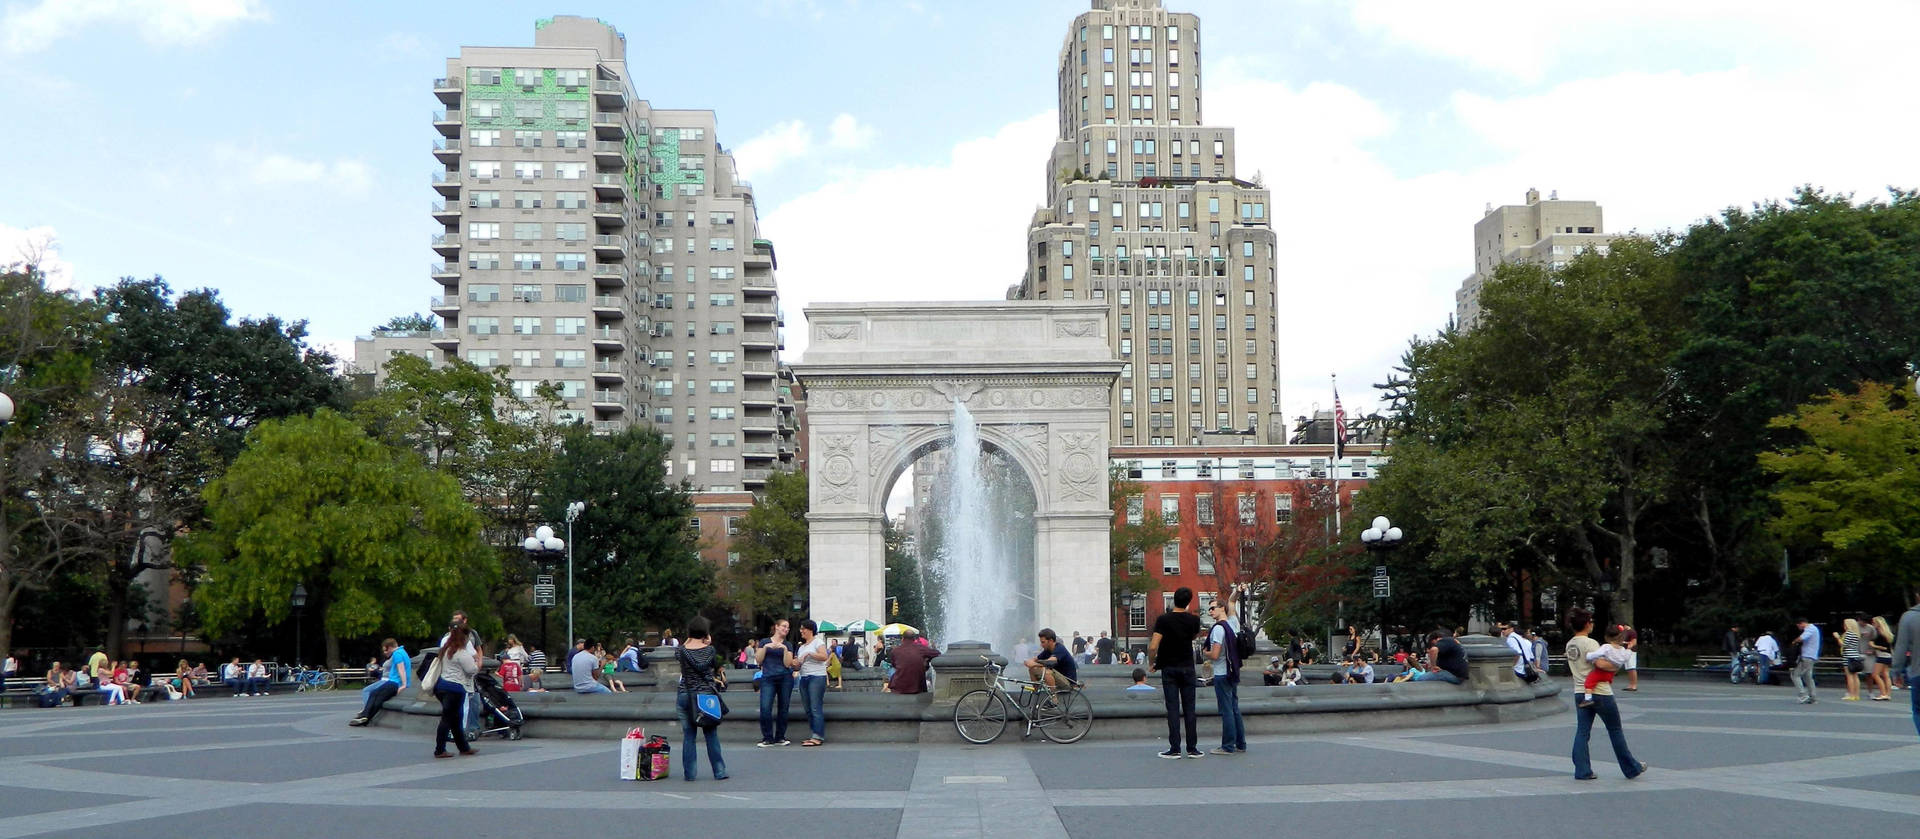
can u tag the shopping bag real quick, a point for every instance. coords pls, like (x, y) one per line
(630, 747)
(656, 759)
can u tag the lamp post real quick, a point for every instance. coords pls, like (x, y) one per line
(541, 547)
(574, 509)
(1381, 538)
(6, 409)
(186, 603)
(299, 605)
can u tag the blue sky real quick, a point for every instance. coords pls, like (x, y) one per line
(280, 151)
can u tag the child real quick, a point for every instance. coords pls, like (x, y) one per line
(1614, 650)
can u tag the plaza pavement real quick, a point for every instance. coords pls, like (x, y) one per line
(1728, 761)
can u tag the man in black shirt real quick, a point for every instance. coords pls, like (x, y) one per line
(1052, 659)
(1447, 657)
(1170, 651)
(1103, 649)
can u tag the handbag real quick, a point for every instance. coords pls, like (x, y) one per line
(432, 678)
(708, 708)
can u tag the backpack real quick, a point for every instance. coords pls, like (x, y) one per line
(1229, 647)
(1244, 644)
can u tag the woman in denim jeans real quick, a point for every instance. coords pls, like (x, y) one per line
(700, 672)
(813, 656)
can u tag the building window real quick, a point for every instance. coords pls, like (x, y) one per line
(1203, 508)
(1136, 507)
(720, 413)
(1204, 555)
(569, 358)
(569, 326)
(1170, 509)
(1137, 613)
(526, 261)
(1246, 504)
(526, 326)
(1170, 559)
(1283, 508)
(723, 466)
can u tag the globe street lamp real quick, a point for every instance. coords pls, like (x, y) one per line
(1380, 538)
(6, 409)
(299, 605)
(541, 547)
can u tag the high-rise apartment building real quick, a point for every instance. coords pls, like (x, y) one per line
(1145, 211)
(609, 247)
(1549, 232)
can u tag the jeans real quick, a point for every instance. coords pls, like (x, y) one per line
(773, 726)
(1609, 713)
(1438, 676)
(1233, 729)
(1803, 678)
(1913, 692)
(813, 697)
(239, 684)
(453, 707)
(689, 762)
(1177, 688)
(258, 685)
(592, 688)
(376, 695)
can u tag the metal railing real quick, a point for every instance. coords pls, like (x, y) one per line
(608, 86)
(449, 83)
(751, 281)
(440, 207)
(609, 397)
(614, 146)
(606, 427)
(760, 366)
(615, 207)
(443, 302)
(442, 268)
(606, 301)
(759, 309)
(605, 269)
(605, 241)
(607, 333)
(445, 177)
(608, 118)
(448, 240)
(440, 115)
(608, 367)
(447, 144)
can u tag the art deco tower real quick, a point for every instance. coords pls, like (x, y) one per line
(1145, 211)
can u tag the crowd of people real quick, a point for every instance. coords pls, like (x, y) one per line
(116, 683)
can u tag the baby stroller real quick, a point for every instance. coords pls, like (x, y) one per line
(498, 714)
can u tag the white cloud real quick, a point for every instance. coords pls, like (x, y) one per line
(36, 246)
(773, 148)
(169, 22)
(342, 176)
(849, 133)
(969, 244)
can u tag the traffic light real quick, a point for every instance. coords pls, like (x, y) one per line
(896, 608)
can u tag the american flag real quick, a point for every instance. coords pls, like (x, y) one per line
(1339, 425)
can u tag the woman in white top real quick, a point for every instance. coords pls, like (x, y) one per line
(458, 665)
(813, 655)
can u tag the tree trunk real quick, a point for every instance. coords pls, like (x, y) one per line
(118, 584)
(333, 649)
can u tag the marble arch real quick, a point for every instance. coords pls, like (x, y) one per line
(881, 380)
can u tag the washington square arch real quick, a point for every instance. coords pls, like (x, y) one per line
(881, 380)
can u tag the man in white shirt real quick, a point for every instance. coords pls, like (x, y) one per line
(1809, 641)
(1523, 662)
(1766, 655)
(257, 679)
(586, 663)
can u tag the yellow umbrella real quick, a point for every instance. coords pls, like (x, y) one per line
(897, 629)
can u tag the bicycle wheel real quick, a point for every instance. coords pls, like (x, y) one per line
(328, 680)
(980, 716)
(1070, 717)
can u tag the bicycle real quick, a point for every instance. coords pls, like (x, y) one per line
(312, 678)
(1061, 716)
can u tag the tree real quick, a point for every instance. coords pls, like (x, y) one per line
(904, 578)
(635, 559)
(181, 385)
(1137, 532)
(380, 541)
(1296, 570)
(415, 322)
(772, 543)
(1850, 490)
(48, 344)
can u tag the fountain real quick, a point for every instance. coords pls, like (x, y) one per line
(980, 573)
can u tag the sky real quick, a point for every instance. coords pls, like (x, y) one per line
(280, 151)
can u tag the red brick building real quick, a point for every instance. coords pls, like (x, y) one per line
(1228, 504)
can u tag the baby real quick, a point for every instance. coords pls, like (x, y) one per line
(1614, 650)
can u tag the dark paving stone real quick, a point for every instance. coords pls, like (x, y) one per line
(1676, 813)
(750, 770)
(1898, 783)
(299, 821)
(1084, 766)
(90, 741)
(1675, 750)
(269, 764)
(1893, 725)
(20, 801)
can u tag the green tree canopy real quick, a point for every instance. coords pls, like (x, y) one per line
(1137, 532)
(636, 562)
(414, 322)
(1850, 490)
(380, 541)
(772, 543)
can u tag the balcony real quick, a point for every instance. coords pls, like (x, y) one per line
(448, 122)
(609, 400)
(759, 311)
(445, 306)
(448, 89)
(608, 338)
(607, 426)
(609, 124)
(760, 255)
(758, 398)
(761, 450)
(758, 425)
(612, 153)
(610, 185)
(757, 285)
(447, 273)
(445, 339)
(759, 340)
(446, 212)
(610, 275)
(447, 244)
(608, 93)
(448, 151)
(608, 306)
(610, 247)
(447, 183)
(609, 371)
(610, 213)
(750, 477)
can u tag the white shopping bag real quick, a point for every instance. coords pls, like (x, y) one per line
(630, 754)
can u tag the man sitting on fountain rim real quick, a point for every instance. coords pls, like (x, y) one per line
(1051, 659)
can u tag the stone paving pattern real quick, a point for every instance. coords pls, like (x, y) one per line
(1728, 761)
